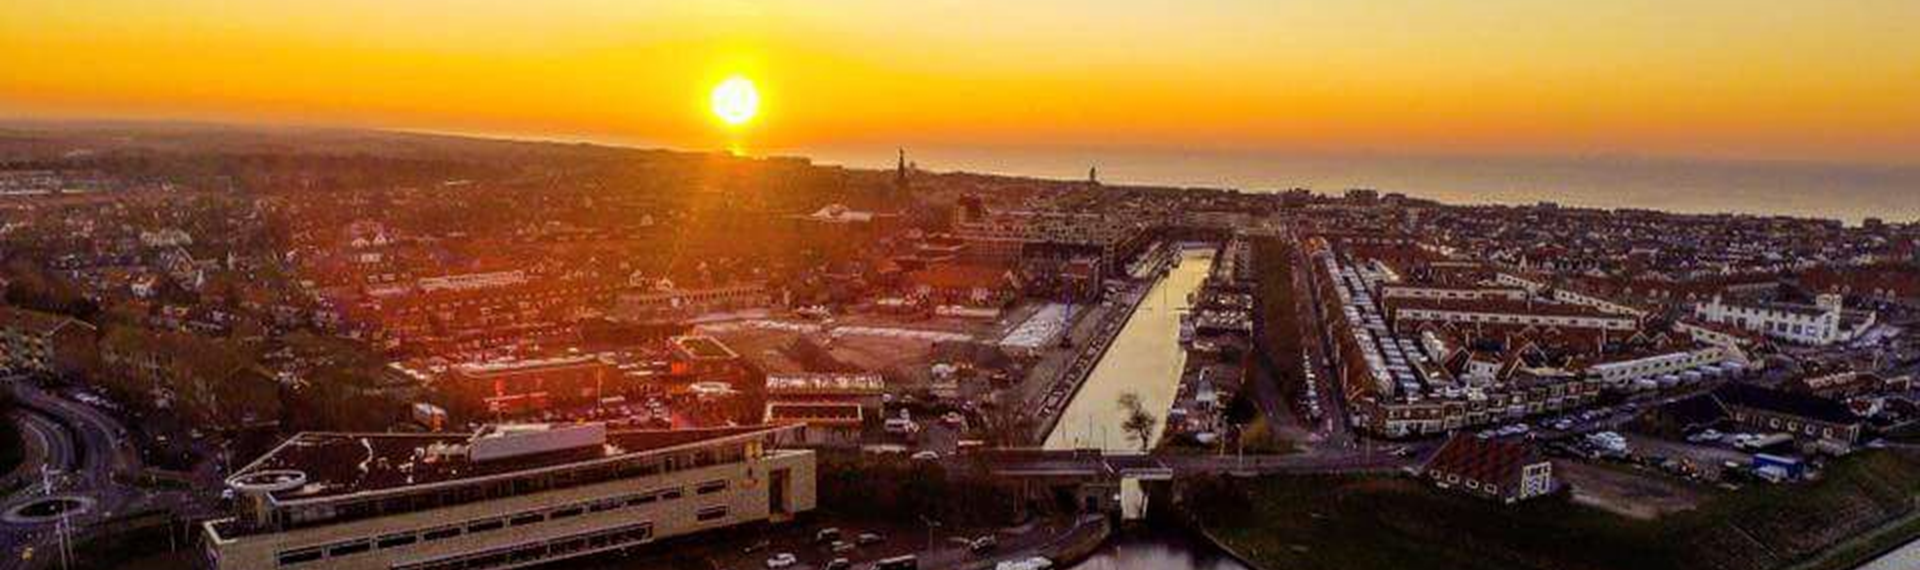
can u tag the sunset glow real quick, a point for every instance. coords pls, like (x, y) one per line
(735, 101)
(1827, 80)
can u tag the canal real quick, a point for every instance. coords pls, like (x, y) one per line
(1159, 549)
(1145, 359)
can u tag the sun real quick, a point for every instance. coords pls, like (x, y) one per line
(735, 101)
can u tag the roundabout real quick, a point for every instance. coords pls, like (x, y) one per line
(46, 510)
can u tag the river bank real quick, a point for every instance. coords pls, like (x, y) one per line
(1904, 557)
(1893, 546)
(1144, 358)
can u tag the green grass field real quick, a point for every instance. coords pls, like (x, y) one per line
(1361, 523)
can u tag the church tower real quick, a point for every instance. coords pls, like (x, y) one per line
(900, 175)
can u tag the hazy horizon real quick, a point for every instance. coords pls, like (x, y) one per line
(1848, 192)
(1803, 188)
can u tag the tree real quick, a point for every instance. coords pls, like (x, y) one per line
(1007, 425)
(1139, 422)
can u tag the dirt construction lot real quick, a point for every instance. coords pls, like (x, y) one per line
(1627, 491)
(874, 353)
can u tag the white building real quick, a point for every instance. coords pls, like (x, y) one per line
(1452, 293)
(662, 297)
(505, 497)
(1675, 365)
(1503, 312)
(472, 281)
(1826, 322)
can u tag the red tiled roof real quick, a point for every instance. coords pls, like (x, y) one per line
(1484, 460)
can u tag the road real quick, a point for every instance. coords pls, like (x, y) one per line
(91, 458)
(1315, 328)
(1068, 463)
(46, 447)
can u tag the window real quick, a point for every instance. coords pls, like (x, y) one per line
(484, 526)
(350, 548)
(711, 514)
(641, 500)
(710, 487)
(301, 556)
(672, 494)
(531, 518)
(441, 533)
(397, 540)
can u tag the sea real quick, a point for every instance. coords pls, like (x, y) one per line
(1847, 192)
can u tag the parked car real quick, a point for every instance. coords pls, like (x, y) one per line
(839, 564)
(826, 535)
(782, 560)
(984, 544)
(869, 538)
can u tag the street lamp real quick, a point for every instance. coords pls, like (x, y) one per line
(931, 524)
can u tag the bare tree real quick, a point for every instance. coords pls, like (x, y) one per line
(1139, 422)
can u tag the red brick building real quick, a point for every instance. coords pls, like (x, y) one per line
(1501, 470)
(528, 386)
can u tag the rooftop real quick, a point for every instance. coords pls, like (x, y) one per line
(1500, 306)
(485, 369)
(1783, 402)
(1486, 460)
(826, 383)
(704, 348)
(821, 413)
(340, 464)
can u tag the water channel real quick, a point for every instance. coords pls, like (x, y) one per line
(1146, 360)
(1159, 549)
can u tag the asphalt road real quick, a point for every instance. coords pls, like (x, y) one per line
(89, 452)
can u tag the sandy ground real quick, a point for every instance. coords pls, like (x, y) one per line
(1619, 489)
(873, 353)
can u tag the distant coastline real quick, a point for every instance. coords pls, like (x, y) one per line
(1847, 192)
(1850, 192)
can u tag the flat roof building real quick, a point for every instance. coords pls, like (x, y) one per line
(503, 497)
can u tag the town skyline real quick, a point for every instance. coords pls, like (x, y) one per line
(967, 285)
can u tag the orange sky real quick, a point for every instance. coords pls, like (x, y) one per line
(1834, 79)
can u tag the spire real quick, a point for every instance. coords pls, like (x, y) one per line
(900, 171)
(1093, 175)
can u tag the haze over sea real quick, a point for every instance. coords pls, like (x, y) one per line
(1849, 192)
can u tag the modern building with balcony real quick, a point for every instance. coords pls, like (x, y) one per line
(506, 496)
